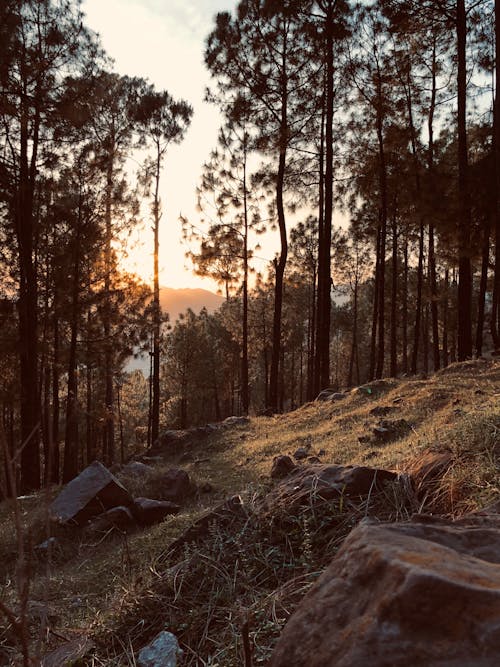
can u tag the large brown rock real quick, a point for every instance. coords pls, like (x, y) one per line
(325, 482)
(91, 493)
(422, 594)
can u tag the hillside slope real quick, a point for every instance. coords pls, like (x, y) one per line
(121, 589)
(176, 301)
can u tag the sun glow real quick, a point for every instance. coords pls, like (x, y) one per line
(164, 43)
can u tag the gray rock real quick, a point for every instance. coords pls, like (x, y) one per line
(163, 651)
(50, 543)
(92, 492)
(149, 512)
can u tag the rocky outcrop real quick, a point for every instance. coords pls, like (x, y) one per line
(325, 482)
(424, 593)
(92, 492)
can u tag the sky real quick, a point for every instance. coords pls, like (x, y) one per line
(163, 41)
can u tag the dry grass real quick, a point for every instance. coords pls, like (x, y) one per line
(123, 589)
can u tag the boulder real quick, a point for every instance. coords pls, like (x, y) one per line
(92, 492)
(424, 594)
(325, 482)
(149, 512)
(282, 467)
(320, 482)
(176, 485)
(163, 651)
(117, 517)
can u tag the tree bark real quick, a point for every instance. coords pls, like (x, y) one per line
(464, 300)
(155, 407)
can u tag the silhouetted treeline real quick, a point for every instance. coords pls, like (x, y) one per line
(365, 136)
(383, 116)
(70, 316)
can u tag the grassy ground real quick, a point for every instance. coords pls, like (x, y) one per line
(123, 589)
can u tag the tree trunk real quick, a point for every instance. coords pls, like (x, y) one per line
(155, 408)
(109, 418)
(319, 331)
(482, 290)
(70, 469)
(445, 317)
(28, 302)
(495, 309)
(394, 297)
(245, 394)
(279, 280)
(432, 254)
(418, 308)
(464, 300)
(383, 228)
(405, 308)
(376, 296)
(327, 232)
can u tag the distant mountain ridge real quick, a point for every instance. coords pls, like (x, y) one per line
(176, 301)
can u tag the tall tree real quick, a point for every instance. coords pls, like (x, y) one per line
(47, 42)
(164, 121)
(262, 54)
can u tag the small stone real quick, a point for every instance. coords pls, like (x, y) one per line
(381, 410)
(44, 546)
(300, 454)
(206, 487)
(117, 517)
(149, 512)
(282, 467)
(163, 651)
(236, 421)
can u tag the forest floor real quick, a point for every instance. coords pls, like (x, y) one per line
(243, 581)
